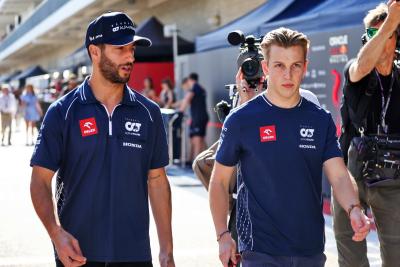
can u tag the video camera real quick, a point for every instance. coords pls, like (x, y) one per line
(250, 56)
(249, 60)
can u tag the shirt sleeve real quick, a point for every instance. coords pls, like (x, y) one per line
(159, 156)
(332, 147)
(48, 148)
(195, 89)
(228, 151)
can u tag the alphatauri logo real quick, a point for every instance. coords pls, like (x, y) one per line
(133, 126)
(306, 133)
(88, 127)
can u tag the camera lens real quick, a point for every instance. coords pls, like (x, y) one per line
(236, 37)
(250, 67)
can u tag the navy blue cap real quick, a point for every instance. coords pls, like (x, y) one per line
(114, 28)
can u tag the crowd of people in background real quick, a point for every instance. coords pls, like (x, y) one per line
(24, 103)
(194, 97)
(17, 104)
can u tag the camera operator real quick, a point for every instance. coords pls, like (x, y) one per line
(204, 162)
(371, 107)
(280, 142)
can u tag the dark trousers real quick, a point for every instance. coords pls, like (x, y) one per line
(255, 259)
(112, 264)
(383, 199)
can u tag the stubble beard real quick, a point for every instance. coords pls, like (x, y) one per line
(109, 70)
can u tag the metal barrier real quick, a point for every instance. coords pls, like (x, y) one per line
(183, 140)
(176, 128)
(171, 137)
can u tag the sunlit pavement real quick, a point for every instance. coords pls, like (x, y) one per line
(24, 242)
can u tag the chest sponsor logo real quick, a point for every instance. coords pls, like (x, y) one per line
(88, 127)
(133, 145)
(267, 133)
(306, 133)
(132, 127)
(307, 146)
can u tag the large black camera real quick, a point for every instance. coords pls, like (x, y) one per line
(250, 56)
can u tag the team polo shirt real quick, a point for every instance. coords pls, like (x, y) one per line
(279, 153)
(102, 162)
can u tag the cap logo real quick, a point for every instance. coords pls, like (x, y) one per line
(95, 37)
(123, 27)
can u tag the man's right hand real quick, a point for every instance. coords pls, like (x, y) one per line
(227, 250)
(67, 247)
(394, 12)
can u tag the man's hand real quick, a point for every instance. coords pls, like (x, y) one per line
(246, 93)
(345, 192)
(227, 250)
(166, 259)
(68, 250)
(160, 200)
(360, 224)
(394, 12)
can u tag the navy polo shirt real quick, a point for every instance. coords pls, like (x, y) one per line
(280, 154)
(102, 162)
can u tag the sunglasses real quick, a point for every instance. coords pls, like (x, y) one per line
(371, 32)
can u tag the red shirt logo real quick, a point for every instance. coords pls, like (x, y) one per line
(267, 133)
(88, 127)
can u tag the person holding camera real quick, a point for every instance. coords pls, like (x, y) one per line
(280, 143)
(371, 111)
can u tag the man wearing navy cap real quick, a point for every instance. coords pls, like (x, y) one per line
(109, 149)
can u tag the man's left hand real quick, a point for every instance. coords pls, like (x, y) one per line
(166, 259)
(360, 224)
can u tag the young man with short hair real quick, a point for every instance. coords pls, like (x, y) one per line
(280, 142)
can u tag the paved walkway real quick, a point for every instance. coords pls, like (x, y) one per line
(24, 242)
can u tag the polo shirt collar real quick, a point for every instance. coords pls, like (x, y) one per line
(129, 97)
(86, 95)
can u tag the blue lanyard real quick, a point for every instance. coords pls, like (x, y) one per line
(385, 106)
